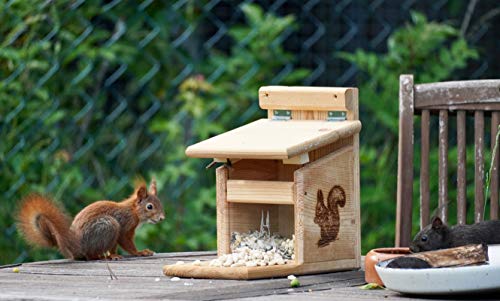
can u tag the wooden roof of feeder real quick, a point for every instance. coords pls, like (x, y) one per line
(277, 139)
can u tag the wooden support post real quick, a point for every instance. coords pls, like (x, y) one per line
(461, 169)
(223, 231)
(443, 165)
(494, 182)
(424, 170)
(479, 166)
(405, 162)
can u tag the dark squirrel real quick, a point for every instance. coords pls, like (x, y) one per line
(437, 235)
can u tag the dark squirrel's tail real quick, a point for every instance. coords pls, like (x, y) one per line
(44, 224)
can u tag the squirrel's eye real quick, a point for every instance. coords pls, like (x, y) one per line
(149, 206)
(424, 237)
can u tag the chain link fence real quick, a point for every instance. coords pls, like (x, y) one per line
(94, 93)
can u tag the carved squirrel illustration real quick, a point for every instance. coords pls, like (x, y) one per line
(327, 216)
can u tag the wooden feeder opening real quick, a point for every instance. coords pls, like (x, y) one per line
(256, 189)
(301, 165)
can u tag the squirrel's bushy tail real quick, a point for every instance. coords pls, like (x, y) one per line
(44, 224)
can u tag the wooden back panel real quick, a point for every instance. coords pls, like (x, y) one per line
(309, 103)
(481, 97)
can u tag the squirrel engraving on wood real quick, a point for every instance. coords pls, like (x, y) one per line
(98, 229)
(437, 235)
(327, 216)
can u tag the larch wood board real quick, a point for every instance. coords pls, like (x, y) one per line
(305, 98)
(260, 192)
(269, 139)
(204, 271)
(247, 217)
(328, 209)
(223, 231)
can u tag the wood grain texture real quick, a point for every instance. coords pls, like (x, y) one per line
(270, 153)
(247, 217)
(405, 162)
(458, 95)
(461, 97)
(424, 170)
(69, 280)
(330, 148)
(443, 166)
(356, 179)
(260, 192)
(304, 98)
(258, 170)
(300, 159)
(304, 109)
(237, 273)
(223, 220)
(494, 179)
(285, 171)
(324, 174)
(303, 115)
(465, 107)
(479, 166)
(248, 273)
(267, 139)
(459, 256)
(286, 220)
(461, 168)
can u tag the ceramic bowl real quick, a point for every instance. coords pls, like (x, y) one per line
(377, 255)
(471, 279)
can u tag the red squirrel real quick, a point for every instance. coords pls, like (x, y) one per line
(96, 231)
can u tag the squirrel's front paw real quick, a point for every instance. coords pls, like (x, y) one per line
(145, 252)
(114, 257)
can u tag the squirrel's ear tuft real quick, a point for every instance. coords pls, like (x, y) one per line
(142, 193)
(437, 222)
(152, 187)
(320, 196)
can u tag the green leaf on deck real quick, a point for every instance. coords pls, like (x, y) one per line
(372, 286)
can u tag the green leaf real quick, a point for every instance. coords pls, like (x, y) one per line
(253, 13)
(372, 286)
(295, 282)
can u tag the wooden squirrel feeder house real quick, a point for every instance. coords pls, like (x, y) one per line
(301, 165)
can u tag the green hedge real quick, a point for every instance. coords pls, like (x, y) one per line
(93, 96)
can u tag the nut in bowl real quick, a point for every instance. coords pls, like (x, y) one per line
(377, 255)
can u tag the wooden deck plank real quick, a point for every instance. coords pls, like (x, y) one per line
(267, 287)
(344, 294)
(54, 286)
(90, 280)
(142, 279)
(131, 267)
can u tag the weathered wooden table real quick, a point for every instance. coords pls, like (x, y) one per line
(142, 278)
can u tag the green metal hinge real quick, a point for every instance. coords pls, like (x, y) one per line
(336, 116)
(282, 115)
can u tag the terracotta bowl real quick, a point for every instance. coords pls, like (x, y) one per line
(375, 256)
